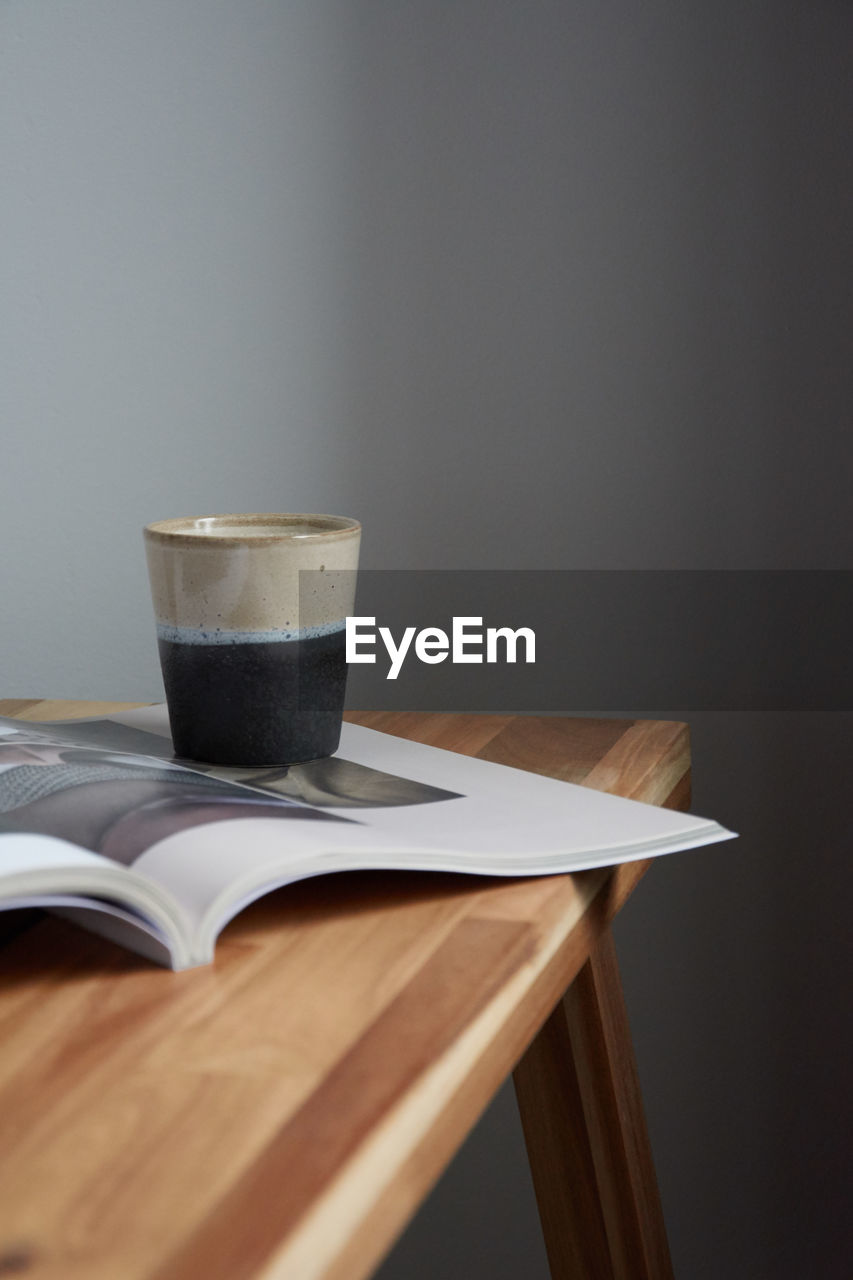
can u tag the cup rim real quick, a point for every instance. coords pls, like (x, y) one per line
(197, 531)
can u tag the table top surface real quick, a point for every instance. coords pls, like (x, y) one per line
(282, 1112)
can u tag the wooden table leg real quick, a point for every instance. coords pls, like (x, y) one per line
(582, 1113)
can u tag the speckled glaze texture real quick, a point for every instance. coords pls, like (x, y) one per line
(240, 573)
(252, 645)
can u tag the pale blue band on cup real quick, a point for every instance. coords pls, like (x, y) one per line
(218, 635)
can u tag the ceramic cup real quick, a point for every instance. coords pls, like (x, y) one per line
(251, 613)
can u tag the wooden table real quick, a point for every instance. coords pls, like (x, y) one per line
(283, 1112)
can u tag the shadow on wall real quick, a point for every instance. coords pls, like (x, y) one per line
(597, 286)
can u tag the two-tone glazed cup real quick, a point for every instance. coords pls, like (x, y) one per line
(251, 626)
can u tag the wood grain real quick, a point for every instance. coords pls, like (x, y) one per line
(577, 1085)
(581, 1108)
(597, 1021)
(282, 1112)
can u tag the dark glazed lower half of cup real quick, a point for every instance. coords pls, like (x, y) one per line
(259, 703)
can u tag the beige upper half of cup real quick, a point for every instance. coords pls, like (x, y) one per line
(242, 572)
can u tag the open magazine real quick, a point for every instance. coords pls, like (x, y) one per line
(100, 822)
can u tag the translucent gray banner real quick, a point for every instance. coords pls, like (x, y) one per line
(612, 640)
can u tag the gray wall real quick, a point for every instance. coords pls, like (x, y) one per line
(540, 285)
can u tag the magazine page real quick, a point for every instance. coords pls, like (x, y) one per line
(131, 929)
(419, 799)
(76, 816)
(217, 838)
(39, 864)
(213, 839)
(65, 782)
(42, 871)
(409, 806)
